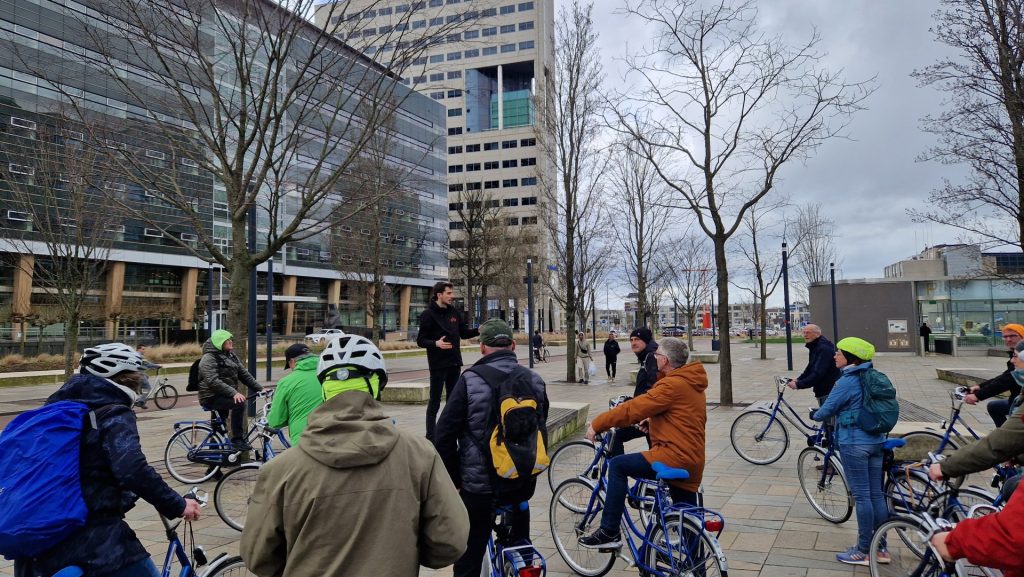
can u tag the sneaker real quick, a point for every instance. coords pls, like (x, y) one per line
(852, 556)
(601, 540)
(241, 446)
(883, 557)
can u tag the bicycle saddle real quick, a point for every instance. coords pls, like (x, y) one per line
(891, 444)
(668, 473)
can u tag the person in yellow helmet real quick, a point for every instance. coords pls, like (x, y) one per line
(860, 451)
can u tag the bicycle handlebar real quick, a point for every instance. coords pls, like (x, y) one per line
(959, 393)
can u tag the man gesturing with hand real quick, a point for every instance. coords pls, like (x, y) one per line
(442, 329)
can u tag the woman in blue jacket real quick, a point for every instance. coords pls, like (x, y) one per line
(860, 452)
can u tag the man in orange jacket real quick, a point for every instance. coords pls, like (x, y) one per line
(674, 413)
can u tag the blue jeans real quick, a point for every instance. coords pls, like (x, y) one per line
(142, 568)
(863, 467)
(620, 469)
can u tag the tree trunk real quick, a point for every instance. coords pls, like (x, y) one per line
(724, 354)
(71, 332)
(763, 318)
(238, 305)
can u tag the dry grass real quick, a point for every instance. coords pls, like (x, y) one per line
(19, 363)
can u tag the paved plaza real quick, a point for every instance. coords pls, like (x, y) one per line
(770, 529)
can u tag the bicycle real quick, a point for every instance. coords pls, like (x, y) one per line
(511, 559)
(197, 450)
(907, 539)
(164, 394)
(822, 479)
(673, 539)
(577, 458)
(220, 566)
(758, 435)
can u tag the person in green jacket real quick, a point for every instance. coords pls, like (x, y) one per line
(297, 394)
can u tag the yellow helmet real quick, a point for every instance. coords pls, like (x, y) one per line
(857, 347)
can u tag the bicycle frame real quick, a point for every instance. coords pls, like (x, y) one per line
(811, 431)
(522, 557)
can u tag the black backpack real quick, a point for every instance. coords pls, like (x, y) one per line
(515, 443)
(193, 376)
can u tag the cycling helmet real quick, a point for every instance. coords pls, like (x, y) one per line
(350, 351)
(857, 347)
(111, 359)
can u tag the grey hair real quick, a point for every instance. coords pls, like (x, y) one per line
(675, 350)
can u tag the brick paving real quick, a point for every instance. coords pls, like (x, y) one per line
(770, 531)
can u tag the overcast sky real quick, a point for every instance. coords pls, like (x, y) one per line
(865, 184)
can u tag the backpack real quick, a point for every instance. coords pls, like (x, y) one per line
(516, 445)
(879, 408)
(41, 500)
(193, 376)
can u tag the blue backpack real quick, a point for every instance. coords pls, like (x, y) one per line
(41, 499)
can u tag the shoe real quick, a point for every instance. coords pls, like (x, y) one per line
(601, 540)
(883, 557)
(241, 446)
(852, 556)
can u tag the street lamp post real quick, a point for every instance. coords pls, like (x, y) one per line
(786, 316)
(835, 312)
(529, 307)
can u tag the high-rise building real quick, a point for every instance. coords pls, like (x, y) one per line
(485, 61)
(153, 278)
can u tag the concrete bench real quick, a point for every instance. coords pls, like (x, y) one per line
(966, 377)
(412, 393)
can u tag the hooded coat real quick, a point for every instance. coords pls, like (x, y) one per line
(221, 374)
(677, 409)
(114, 474)
(648, 372)
(358, 496)
(295, 397)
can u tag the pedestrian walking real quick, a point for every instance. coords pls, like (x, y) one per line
(611, 355)
(583, 358)
(925, 331)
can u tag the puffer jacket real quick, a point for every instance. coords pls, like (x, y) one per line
(114, 474)
(844, 402)
(357, 497)
(221, 374)
(464, 428)
(648, 373)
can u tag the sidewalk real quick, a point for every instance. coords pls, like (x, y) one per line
(770, 530)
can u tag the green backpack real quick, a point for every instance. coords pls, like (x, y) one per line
(879, 408)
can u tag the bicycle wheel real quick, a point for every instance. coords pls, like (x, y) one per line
(570, 519)
(954, 504)
(233, 492)
(906, 496)
(694, 551)
(570, 461)
(233, 567)
(906, 540)
(920, 443)
(166, 397)
(181, 443)
(824, 485)
(758, 438)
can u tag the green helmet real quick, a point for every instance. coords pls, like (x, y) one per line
(857, 347)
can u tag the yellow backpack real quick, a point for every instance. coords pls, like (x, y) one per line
(516, 444)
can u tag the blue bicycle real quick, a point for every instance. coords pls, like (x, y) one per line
(671, 539)
(758, 435)
(511, 558)
(907, 540)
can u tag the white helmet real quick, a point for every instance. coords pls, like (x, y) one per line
(350, 351)
(112, 358)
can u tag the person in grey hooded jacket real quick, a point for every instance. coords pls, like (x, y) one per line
(221, 378)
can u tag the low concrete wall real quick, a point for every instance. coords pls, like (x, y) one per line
(572, 419)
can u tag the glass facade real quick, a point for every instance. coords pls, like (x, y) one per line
(974, 310)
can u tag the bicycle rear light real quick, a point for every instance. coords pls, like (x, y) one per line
(713, 525)
(530, 571)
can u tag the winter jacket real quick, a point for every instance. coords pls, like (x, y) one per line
(437, 322)
(648, 372)
(1000, 384)
(221, 374)
(537, 340)
(1002, 444)
(582, 349)
(295, 398)
(844, 402)
(464, 428)
(357, 497)
(821, 373)
(611, 349)
(994, 540)
(677, 409)
(114, 474)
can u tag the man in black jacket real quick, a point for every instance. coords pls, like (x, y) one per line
(442, 329)
(465, 422)
(611, 355)
(998, 409)
(643, 345)
(821, 372)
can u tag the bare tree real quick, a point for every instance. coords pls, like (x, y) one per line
(813, 250)
(570, 117)
(53, 184)
(248, 99)
(759, 248)
(982, 126)
(643, 200)
(721, 108)
(690, 278)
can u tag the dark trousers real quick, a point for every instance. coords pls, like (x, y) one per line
(229, 412)
(446, 377)
(622, 436)
(998, 409)
(482, 510)
(620, 469)
(609, 366)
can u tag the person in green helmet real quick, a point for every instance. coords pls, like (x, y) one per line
(297, 394)
(860, 451)
(221, 378)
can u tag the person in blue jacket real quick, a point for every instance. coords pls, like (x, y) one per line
(114, 473)
(860, 452)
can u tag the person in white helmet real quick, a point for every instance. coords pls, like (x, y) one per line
(357, 496)
(114, 471)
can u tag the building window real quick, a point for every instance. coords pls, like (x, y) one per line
(529, 200)
(490, 31)
(528, 142)
(472, 148)
(438, 21)
(420, 79)
(473, 186)
(384, 29)
(454, 205)
(488, 12)
(437, 77)
(454, 188)
(507, 28)
(454, 150)
(384, 11)
(529, 181)
(455, 74)
(508, 9)
(453, 18)
(456, 225)
(490, 50)
(506, 144)
(492, 204)
(454, 93)
(527, 45)
(511, 163)
(403, 8)
(529, 220)
(454, 56)
(506, 48)
(510, 183)
(471, 34)
(436, 3)
(491, 165)
(369, 14)
(454, 38)
(454, 168)
(528, 162)
(437, 95)
(473, 167)
(419, 24)
(490, 146)
(524, 6)
(435, 58)
(489, 184)
(455, 131)
(512, 221)
(526, 25)
(472, 53)
(511, 202)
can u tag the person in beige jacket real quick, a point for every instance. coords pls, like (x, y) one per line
(357, 496)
